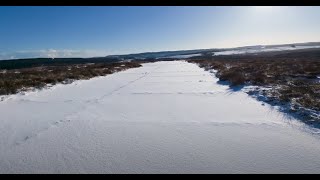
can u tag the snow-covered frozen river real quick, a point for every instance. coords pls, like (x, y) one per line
(164, 117)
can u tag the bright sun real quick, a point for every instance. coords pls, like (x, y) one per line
(263, 7)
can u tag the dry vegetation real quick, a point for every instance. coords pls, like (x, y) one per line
(15, 80)
(292, 80)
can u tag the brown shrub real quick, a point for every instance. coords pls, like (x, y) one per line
(295, 75)
(234, 77)
(38, 77)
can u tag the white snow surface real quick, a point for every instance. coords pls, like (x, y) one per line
(164, 117)
(262, 49)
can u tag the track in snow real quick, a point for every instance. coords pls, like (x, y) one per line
(165, 117)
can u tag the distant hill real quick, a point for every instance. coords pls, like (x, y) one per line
(153, 56)
(162, 54)
(36, 62)
(168, 54)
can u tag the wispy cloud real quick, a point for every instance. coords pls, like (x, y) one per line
(53, 53)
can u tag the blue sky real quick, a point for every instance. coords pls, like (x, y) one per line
(98, 31)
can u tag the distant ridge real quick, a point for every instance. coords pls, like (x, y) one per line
(168, 54)
(165, 54)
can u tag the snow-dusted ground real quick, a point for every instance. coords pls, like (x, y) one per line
(165, 117)
(184, 56)
(263, 49)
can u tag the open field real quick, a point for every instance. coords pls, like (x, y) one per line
(162, 117)
(287, 78)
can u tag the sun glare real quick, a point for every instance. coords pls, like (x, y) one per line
(263, 7)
